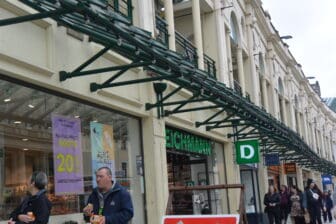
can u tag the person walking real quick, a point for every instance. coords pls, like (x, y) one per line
(109, 200)
(272, 203)
(327, 206)
(312, 202)
(284, 203)
(35, 208)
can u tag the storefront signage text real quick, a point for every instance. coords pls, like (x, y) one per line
(290, 168)
(247, 151)
(182, 141)
(67, 155)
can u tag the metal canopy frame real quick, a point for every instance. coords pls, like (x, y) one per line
(115, 32)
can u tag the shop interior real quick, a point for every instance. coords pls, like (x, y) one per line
(190, 170)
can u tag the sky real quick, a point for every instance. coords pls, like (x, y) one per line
(312, 25)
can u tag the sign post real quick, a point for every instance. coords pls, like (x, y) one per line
(204, 219)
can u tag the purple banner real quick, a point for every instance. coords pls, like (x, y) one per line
(68, 166)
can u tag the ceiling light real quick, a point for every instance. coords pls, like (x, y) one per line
(25, 149)
(25, 139)
(77, 116)
(7, 100)
(31, 106)
(17, 122)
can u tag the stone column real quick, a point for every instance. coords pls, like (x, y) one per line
(254, 76)
(229, 56)
(240, 63)
(292, 115)
(196, 14)
(223, 67)
(155, 166)
(299, 177)
(284, 111)
(169, 16)
(264, 93)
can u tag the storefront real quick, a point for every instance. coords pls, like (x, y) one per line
(193, 160)
(27, 144)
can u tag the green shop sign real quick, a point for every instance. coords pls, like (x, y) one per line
(183, 141)
(247, 151)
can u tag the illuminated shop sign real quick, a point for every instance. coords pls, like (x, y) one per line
(183, 141)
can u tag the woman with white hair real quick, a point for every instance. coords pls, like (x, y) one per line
(34, 209)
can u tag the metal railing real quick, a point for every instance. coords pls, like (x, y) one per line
(184, 47)
(209, 66)
(124, 7)
(187, 190)
(237, 88)
(162, 31)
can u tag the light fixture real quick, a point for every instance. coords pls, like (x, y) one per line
(286, 37)
(25, 149)
(77, 116)
(7, 100)
(31, 106)
(25, 139)
(162, 9)
(17, 122)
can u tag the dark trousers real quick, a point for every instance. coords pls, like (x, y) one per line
(327, 213)
(299, 220)
(273, 216)
(284, 211)
(315, 215)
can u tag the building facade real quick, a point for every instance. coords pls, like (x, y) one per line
(117, 79)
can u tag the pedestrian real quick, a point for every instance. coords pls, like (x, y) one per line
(35, 208)
(284, 203)
(272, 203)
(312, 202)
(109, 200)
(327, 206)
(296, 211)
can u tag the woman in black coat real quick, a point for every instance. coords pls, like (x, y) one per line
(34, 209)
(272, 203)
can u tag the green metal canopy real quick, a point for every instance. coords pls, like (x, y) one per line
(108, 27)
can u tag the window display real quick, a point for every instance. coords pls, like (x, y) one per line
(27, 144)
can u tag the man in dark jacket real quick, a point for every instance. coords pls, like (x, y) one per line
(109, 200)
(34, 209)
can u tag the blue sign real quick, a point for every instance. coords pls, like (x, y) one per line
(326, 179)
(272, 159)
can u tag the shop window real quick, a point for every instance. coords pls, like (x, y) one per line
(26, 145)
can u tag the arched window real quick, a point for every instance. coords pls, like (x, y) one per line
(234, 29)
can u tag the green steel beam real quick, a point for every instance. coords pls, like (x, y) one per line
(37, 16)
(168, 112)
(198, 124)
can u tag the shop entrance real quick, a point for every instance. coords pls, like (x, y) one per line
(189, 170)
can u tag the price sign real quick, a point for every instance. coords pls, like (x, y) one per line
(67, 155)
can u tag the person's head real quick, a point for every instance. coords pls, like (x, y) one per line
(294, 189)
(271, 189)
(310, 183)
(104, 178)
(283, 188)
(39, 180)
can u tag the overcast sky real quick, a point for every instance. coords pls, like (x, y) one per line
(312, 25)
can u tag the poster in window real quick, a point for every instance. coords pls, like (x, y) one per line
(102, 147)
(67, 155)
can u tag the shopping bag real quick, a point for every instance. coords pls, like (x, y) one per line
(306, 217)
